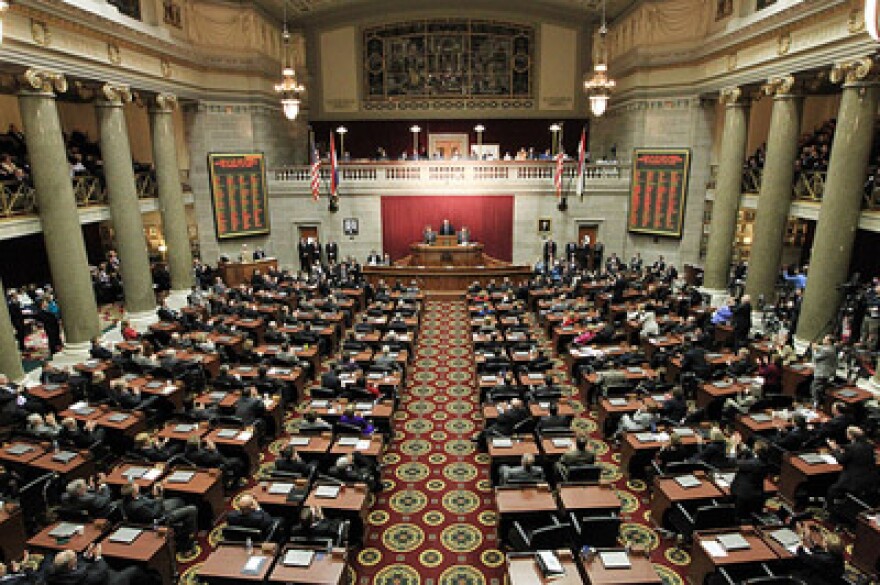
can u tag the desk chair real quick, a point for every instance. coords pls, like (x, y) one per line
(589, 474)
(242, 533)
(595, 531)
(553, 536)
(686, 520)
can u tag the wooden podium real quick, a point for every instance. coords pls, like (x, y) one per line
(235, 273)
(446, 254)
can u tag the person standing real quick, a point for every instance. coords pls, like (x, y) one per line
(824, 368)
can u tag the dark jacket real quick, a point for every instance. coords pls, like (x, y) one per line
(87, 572)
(859, 468)
(258, 519)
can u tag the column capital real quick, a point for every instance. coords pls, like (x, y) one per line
(779, 87)
(164, 102)
(43, 80)
(853, 71)
(115, 94)
(732, 96)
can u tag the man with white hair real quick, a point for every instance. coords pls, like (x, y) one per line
(96, 502)
(89, 568)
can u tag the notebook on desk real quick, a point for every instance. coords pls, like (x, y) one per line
(645, 437)
(732, 541)
(280, 489)
(155, 384)
(299, 441)
(549, 563)
(184, 428)
(687, 481)
(298, 558)
(615, 559)
(20, 449)
(812, 458)
(761, 417)
(253, 565)
(847, 393)
(683, 431)
(320, 403)
(118, 417)
(561, 442)
(502, 443)
(65, 530)
(786, 537)
(63, 456)
(348, 441)
(618, 401)
(133, 473)
(327, 491)
(227, 433)
(634, 370)
(125, 535)
(181, 476)
(217, 396)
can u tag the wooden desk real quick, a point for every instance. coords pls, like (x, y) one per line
(153, 549)
(374, 450)
(133, 423)
(204, 489)
(22, 460)
(325, 569)
(609, 413)
(634, 450)
(703, 564)
(523, 569)
(80, 467)
(511, 455)
(57, 396)
(90, 533)
(351, 501)
(117, 477)
(236, 273)
(12, 532)
(667, 492)
(866, 549)
(521, 501)
(316, 448)
(243, 443)
(795, 472)
(453, 255)
(170, 432)
(795, 375)
(576, 498)
(164, 389)
(642, 572)
(279, 503)
(709, 392)
(225, 564)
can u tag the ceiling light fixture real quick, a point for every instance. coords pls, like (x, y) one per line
(599, 87)
(289, 88)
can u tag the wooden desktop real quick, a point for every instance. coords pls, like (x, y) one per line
(235, 273)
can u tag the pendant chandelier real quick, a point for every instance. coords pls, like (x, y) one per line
(289, 88)
(599, 87)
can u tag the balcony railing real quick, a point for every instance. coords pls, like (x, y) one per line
(402, 172)
(18, 199)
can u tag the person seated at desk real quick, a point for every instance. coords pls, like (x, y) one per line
(794, 438)
(289, 461)
(128, 332)
(649, 326)
(89, 568)
(130, 398)
(312, 422)
(525, 472)
(313, 525)
(446, 228)
(250, 407)
(429, 236)
(464, 236)
(747, 487)
(154, 450)
(205, 454)
(226, 381)
(173, 512)
(579, 454)
(672, 452)
(674, 408)
(642, 419)
(836, 427)
(509, 415)
(740, 366)
(742, 402)
(351, 417)
(94, 502)
(554, 420)
(80, 438)
(694, 361)
(783, 347)
(19, 572)
(859, 475)
(42, 428)
(355, 468)
(250, 515)
(770, 369)
(712, 451)
(819, 558)
(166, 314)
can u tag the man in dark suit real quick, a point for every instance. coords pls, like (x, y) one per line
(16, 315)
(374, 258)
(571, 249)
(303, 252)
(96, 503)
(446, 228)
(331, 380)
(174, 512)
(429, 236)
(742, 322)
(250, 407)
(154, 450)
(859, 474)
(747, 487)
(331, 250)
(464, 236)
(207, 456)
(549, 252)
(525, 472)
(289, 461)
(795, 438)
(89, 568)
(313, 525)
(675, 407)
(835, 427)
(250, 515)
(694, 360)
(554, 420)
(52, 327)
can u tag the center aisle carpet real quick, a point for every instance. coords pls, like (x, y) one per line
(434, 523)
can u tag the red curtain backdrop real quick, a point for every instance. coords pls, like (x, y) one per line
(488, 217)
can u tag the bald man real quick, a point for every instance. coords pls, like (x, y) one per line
(250, 515)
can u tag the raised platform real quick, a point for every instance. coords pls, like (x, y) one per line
(446, 278)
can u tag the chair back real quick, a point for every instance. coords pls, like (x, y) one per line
(241, 534)
(715, 516)
(554, 537)
(588, 473)
(599, 530)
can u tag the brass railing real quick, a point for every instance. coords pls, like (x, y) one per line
(145, 183)
(89, 191)
(808, 186)
(17, 198)
(751, 180)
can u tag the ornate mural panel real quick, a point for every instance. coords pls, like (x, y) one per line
(448, 59)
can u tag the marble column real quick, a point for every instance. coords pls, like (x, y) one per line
(171, 198)
(10, 358)
(58, 213)
(728, 190)
(777, 182)
(842, 200)
(125, 210)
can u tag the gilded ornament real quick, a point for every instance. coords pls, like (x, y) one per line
(783, 43)
(730, 95)
(40, 33)
(116, 93)
(113, 54)
(48, 81)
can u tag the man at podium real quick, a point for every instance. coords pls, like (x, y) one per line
(446, 229)
(464, 236)
(429, 236)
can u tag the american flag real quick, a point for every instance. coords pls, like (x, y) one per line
(316, 172)
(557, 178)
(582, 159)
(334, 169)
